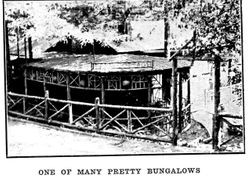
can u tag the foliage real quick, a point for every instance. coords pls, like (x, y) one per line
(217, 22)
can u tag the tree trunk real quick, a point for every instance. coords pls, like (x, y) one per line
(216, 121)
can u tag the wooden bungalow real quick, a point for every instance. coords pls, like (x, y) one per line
(125, 79)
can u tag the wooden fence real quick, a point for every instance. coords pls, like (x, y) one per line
(138, 122)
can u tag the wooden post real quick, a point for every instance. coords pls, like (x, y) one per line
(129, 120)
(7, 54)
(25, 49)
(189, 96)
(17, 42)
(194, 46)
(102, 95)
(102, 90)
(149, 78)
(30, 48)
(44, 85)
(46, 106)
(69, 98)
(164, 85)
(166, 29)
(230, 78)
(97, 113)
(216, 120)
(25, 90)
(174, 100)
(46, 95)
(180, 104)
(7, 50)
(229, 67)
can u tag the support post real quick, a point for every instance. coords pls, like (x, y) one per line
(166, 29)
(46, 95)
(174, 100)
(7, 54)
(69, 98)
(216, 120)
(129, 120)
(102, 90)
(164, 86)
(149, 79)
(25, 90)
(97, 113)
(17, 42)
(25, 49)
(102, 95)
(189, 96)
(194, 46)
(180, 122)
(30, 48)
(25, 82)
(44, 85)
(46, 106)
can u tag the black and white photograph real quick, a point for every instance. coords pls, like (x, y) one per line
(123, 78)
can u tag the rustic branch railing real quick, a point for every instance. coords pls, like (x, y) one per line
(138, 122)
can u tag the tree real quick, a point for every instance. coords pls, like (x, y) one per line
(217, 22)
(54, 21)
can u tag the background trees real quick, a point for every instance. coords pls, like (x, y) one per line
(217, 22)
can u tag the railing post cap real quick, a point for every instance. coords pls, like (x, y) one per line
(47, 93)
(97, 100)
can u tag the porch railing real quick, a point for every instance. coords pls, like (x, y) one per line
(138, 122)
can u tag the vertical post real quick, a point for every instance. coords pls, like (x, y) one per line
(129, 120)
(229, 67)
(149, 78)
(102, 96)
(166, 29)
(180, 104)
(25, 49)
(69, 98)
(7, 56)
(124, 23)
(7, 50)
(30, 48)
(174, 100)
(17, 42)
(93, 51)
(102, 90)
(46, 106)
(216, 121)
(164, 86)
(97, 113)
(25, 90)
(46, 95)
(194, 46)
(189, 96)
(44, 85)
(229, 77)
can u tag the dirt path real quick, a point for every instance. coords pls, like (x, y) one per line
(32, 139)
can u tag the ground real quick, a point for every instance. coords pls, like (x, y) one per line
(26, 138)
